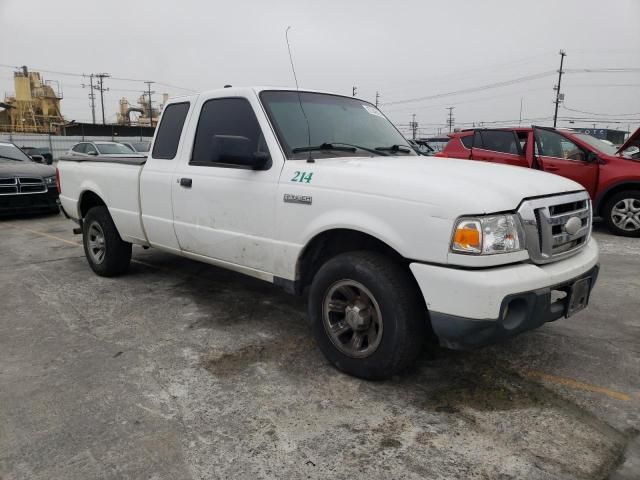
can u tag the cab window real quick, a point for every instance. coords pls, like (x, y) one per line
(223, 121)
(168, 136)
(552, 144)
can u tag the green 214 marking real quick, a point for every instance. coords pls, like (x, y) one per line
(302, 177)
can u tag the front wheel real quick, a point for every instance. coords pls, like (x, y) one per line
(108, 255)
(367, 315)
(622, 213)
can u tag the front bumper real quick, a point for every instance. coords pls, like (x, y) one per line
(468, 307)
(29, 203)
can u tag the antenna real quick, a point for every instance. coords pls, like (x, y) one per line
(295, 77)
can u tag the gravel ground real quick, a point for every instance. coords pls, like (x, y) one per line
(180, 370)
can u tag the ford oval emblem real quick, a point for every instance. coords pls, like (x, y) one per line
(573, 225)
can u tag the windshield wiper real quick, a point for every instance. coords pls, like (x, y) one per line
(324, 146)
(337, 146)
(395, 148)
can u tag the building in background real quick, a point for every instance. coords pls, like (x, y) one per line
(616, 137)
(126, 109)
(35, 106)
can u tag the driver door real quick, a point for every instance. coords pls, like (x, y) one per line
(557, 154)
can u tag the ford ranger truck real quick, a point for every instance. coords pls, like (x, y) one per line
(321, 195)
(611, 175)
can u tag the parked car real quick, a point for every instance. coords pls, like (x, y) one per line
(138, 147)
(388, 246)
(40, 155)
(611, 178)
(108, 149)
(25, 186)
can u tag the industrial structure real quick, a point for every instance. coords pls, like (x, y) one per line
(144, 106)
(35, 106)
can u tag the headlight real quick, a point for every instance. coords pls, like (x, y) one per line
(50, 181)
(487, 235)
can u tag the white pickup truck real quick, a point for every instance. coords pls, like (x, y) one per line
(321, 195)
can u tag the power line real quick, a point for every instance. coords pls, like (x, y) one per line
(602, 114)
(84, 75)
(505, 83)
(603, 70)
(463, 74)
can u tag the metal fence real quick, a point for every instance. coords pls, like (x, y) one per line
(59, 145)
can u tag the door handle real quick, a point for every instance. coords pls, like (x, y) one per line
(185, 182)
(551, 168)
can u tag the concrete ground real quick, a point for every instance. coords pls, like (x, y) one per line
(179, 370)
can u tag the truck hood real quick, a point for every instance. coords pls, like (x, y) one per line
(451, 187)
(10, 168)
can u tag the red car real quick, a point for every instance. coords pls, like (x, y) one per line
(611, 177)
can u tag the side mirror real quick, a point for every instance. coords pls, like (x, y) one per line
(237, 150)
(592, 157)
(37, 158)
(92, 152)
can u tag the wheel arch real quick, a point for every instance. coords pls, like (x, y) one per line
(602, 198)
(332, 242)
(89, 199)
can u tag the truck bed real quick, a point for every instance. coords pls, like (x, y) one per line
(116, 180)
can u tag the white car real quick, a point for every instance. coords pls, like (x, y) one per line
(321, 195)
(108, 149)
(141, 147)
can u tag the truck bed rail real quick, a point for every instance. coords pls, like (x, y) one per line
(133, 160)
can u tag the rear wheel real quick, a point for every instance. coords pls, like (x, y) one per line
(367, 315)
(622, 213)
(108, 255)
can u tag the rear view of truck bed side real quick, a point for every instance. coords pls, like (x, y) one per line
(109, 181)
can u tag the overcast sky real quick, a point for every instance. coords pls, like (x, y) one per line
(402, 49)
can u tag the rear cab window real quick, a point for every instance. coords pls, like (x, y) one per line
(169, 131)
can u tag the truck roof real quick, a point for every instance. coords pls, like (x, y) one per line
(256, 89)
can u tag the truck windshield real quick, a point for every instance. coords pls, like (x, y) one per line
(596, 143)
(333, 120)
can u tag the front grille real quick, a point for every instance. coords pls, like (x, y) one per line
(556, 227)
(22, 185)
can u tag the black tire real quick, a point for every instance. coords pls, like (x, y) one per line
(116, 253)
(612, 213)
(402, 321)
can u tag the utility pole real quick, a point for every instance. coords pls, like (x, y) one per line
(101, 77)
(450, 119)
(377, 99)
(354, 90)
(520, 120)
(92, 97)
(149, 92)
(557, 88)
(414, 126)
